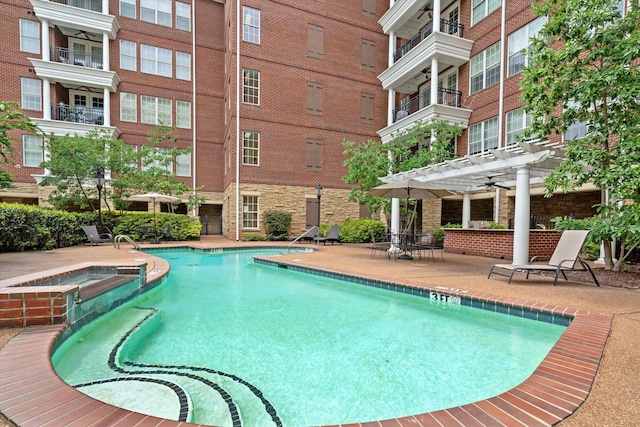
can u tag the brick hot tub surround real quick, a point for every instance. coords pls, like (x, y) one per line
(497, 243)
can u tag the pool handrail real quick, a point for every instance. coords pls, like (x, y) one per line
(120, 237)
(301, 236)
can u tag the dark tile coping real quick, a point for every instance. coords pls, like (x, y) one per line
(31, 394)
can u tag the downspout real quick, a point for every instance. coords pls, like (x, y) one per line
(503, 17)
(193, 99)
(238, 83)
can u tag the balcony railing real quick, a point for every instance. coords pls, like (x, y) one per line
(450, 27)
(77, 114)
(449, 97)
(94, 5)
(76, 57)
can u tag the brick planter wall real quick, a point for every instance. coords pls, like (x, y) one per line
(497, 243)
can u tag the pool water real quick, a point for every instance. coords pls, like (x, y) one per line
(233, 343)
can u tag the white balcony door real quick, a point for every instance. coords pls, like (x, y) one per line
(88, 106)
(86, 53)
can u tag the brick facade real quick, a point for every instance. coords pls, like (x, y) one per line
(497, 243)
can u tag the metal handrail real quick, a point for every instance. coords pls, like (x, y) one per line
(449, 97)
(300, 237)
(446, 26)
(120, 237)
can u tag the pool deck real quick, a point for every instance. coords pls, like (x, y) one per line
(590, 377)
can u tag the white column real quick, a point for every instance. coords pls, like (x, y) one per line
(395, 203)
(466, 209)
(107, 107)
(105, 52)
(521, 220)
(105, 6)
(434, 81)
(496, 213)
(46, 99)
(46, 49)
(436, 16)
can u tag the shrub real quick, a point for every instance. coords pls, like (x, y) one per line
(438, 233)
(254, 237)
(496, 226)
(276, 224)
(359, 230)
(169, 226)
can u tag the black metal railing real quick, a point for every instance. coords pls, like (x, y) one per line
(94, 5)
(76, 57)
(450, 97)
(77, 114)
(446, 26)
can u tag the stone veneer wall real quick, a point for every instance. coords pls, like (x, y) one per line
(497, 243)
(334, 209)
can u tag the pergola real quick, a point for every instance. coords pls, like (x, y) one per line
(516, 166)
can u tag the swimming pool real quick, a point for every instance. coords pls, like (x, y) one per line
(332, 360)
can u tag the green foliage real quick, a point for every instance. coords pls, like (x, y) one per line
(276, 224)
(254, 237)
(359, 230)
(323, 230)
(11, 119)
(169, 226)
(496, 226)
(584, 70)
(412, 148)
(438, 233)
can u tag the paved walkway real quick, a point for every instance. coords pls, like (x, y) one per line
(613, 400)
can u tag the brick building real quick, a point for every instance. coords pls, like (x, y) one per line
(265, 92)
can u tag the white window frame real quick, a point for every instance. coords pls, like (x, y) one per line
(153, 110)
(156, 60)
(250, 29)
(32, 148)
(183, 16)
(167, 168)
(248, 86)
(128, 107)
(183, 164)
(251, 152)
(159, 10)
(183, 66)
(519, 42)
(31, 94)
(183, 114)
(128, 8)
(250, 217)
(576, 130)
(483, 135)
(128, 55)
(480, 65)
(480, 9)
(516, 121)
(29, 36)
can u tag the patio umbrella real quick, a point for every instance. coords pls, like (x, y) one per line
(409, 189)
(153, 197)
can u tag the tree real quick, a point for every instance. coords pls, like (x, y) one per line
(409, 149)
(583, 69)
(74, 161)
(11, 119)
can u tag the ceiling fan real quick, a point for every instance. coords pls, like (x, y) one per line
(426, 8)
(492, 184)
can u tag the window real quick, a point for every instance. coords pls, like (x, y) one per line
(31, 94)
(577, 129)
(483, 136)
(368, 55)
(316, 46)
(29, 36)
(314, 98)
(251, 87)
(183, 114)
(249, 211)
(183, 16)
(517, 122)
(482, 8)
(251, 25)
(183, 66)
(155, 111)
(485, 68)
(32, 152)
(128, 107)
(519, 44)
(314, 154)
(158, 157)
(128, 55)
(250, 148)
(155, 60)
(156, 12)
(369, 8)
(128, 8)
(366, 107)
(183, 164)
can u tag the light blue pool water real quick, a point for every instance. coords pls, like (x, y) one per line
(229, 342)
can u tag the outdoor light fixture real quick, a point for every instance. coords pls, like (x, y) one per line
(319, 194)
(98, 179)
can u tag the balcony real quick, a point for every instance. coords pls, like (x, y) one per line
(449, 27)
(76, 57)
(77, 114)
(72, 75)
(94, 5)
(85, 15)
(448, 97)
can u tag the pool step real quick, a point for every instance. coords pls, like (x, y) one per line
(98, 287)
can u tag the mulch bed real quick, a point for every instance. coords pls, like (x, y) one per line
(629, 278)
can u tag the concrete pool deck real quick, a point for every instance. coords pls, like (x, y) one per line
(610, 402)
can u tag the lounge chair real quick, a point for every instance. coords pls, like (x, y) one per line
(308, 235)
(94, 237)
(333, 236)
(565, 258)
